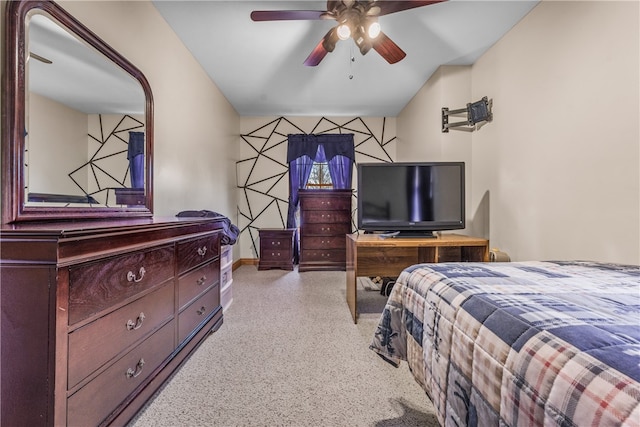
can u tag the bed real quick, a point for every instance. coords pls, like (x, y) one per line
(522, 343)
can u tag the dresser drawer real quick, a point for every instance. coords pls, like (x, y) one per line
(96, 343)
(226, 255)
(97, 286)
(326, 203)
(197, 312)
(276, 254)
(275, 243)
(324, 255)
(197, 281)
(197, 251)
(336, 229)
(317, 217)
(96, 400)
(324, 242)
(226, 276)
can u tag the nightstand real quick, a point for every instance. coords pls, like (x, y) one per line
(276, 248)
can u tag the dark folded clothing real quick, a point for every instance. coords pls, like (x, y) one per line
(229, 231)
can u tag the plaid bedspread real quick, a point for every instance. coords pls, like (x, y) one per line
(518, 344)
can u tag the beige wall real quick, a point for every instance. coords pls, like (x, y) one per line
(196, 128)
(556, 175)
(420, 137)
(57, 145)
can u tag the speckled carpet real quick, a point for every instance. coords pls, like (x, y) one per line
(288, 354)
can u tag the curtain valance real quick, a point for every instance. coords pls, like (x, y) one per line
(333, 144)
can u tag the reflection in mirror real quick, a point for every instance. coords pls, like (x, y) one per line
(84, 124)
(59, 123)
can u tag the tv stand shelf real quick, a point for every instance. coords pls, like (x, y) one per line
(371, 255)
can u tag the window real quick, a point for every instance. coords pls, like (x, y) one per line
(320, 177)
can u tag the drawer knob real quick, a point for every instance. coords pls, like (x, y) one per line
(201, 281)
(202, 251)
(201, 311)
(132, 373)
(132, 277)
(132, 326)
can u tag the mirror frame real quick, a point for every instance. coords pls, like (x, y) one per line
(14, 104)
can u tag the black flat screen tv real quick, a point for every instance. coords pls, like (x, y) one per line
(411, 199)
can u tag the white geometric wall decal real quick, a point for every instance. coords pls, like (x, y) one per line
(263, 175)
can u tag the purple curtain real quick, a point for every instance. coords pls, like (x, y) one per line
(135, 155)
(299, 171)
(333, 144)
(303, 150)
(340, 169)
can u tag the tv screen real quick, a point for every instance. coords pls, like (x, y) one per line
(411, 198)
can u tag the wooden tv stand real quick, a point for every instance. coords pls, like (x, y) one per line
(371, 255)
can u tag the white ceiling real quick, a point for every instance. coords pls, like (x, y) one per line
(259, 67)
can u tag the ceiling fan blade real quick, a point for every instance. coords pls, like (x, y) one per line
(390, 51)
(40, 58)
(326, 45)
(287, 15)
(317, 55)
(391, 6)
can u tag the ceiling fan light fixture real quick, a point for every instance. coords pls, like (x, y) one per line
(344, 32)
(374, 30)
(357, 19)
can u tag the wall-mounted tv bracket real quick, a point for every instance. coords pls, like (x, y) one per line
(477, 115)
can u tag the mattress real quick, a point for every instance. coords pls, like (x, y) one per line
(517, 344)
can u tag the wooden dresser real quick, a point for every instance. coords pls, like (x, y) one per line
(325, 219)
(96, 315)
(276, 248)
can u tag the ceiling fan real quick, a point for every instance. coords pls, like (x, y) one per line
(355, 19)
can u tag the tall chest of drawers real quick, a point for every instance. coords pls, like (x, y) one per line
(97, 315)
(325, 219)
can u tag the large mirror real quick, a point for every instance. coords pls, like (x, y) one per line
(77, 131)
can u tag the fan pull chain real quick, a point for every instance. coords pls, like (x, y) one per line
(352, 59)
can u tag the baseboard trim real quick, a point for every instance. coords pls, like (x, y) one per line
(244, 261)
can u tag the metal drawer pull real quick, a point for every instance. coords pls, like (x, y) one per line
(202, 251)
(132, 326)
(134, 373)
(201, 281)
(201, 311)
(131, 276)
